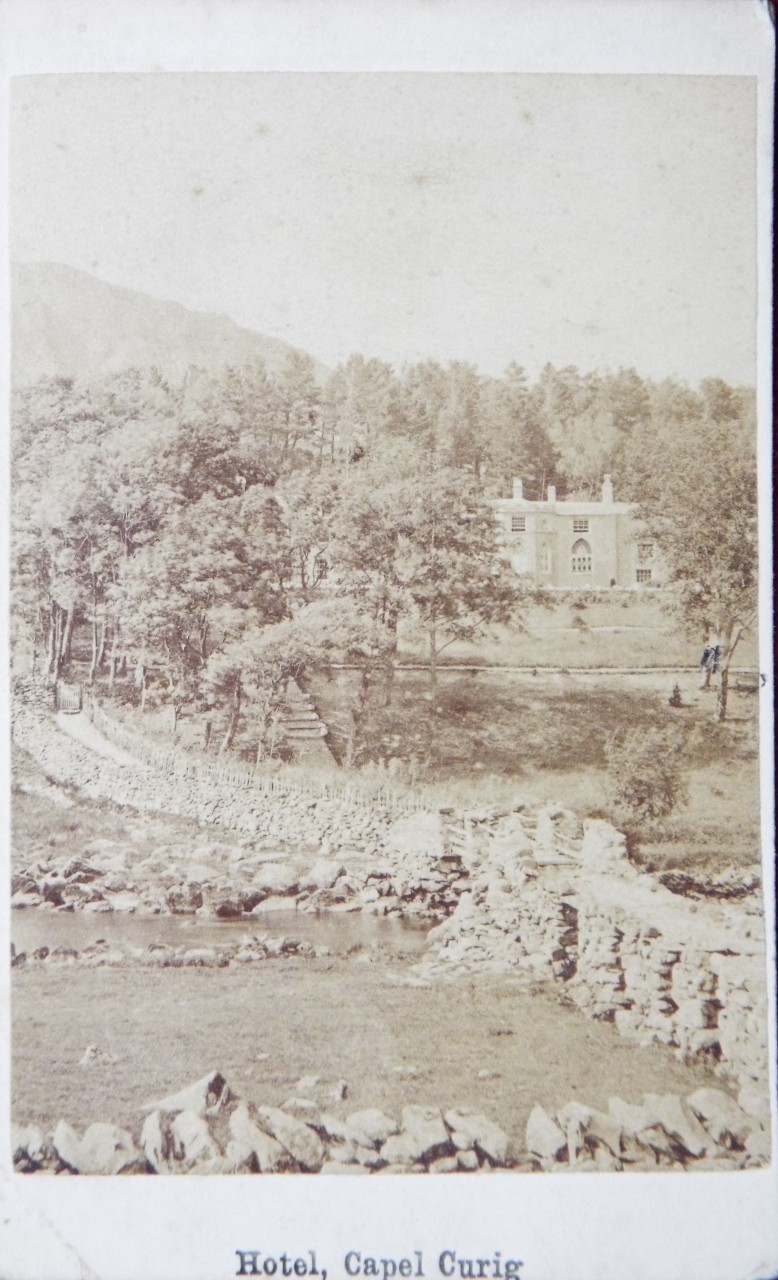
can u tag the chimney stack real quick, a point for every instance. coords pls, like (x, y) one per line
(551, 493)
(607, 490)
(518, 491)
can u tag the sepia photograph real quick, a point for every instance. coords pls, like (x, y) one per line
(384, 630)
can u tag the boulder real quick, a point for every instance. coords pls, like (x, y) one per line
(628, 1116)
(185, 899)
(269, 1154)
(27, 1142)
(467, 1160)
(239, 1157)
(544, 1136)
(104, 1148)
(605, 1130)
(323, 874)
(109, 1150)
(191, 1139)
(725, 1121)
(401, 1149)
(368, 1156)
(370, 1127)
(680, 1122)
(229, 909)
(277, 878)
(424, 1125)
(67, 1146)
(154, 1142)
(298, 1138)
(472, 1129)
(204, 1097)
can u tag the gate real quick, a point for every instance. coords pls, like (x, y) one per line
(68, 697)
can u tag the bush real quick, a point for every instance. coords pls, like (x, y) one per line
(647, 774)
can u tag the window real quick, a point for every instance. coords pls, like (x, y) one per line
(644, 575)
(580, 526)
(582, 557)
(545, 559)
(645, 550)
(518, 524)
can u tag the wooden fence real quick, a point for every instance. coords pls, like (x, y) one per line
(175, 763)
(68, 697)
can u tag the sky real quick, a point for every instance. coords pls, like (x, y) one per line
(600, 221)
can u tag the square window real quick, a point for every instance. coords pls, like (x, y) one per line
(645, 550)
(580, 526)
(518, 524)
(644, 575)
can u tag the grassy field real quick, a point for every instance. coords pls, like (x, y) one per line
(624, 629)
(349, 1019)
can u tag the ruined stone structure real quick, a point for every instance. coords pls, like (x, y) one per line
(568, 544)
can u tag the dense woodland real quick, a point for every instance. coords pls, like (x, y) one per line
(217, 536)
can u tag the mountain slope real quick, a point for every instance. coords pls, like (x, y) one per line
(67, 322)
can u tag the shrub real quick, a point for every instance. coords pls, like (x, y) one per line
(647, 774)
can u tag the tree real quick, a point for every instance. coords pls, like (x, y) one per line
(702, 512)
(646, 774)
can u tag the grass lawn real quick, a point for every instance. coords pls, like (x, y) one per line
(267, 1026)
(595, 629)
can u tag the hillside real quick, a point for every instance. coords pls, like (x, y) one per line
(70, 323)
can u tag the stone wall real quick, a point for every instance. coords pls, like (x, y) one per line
(559, 896)
(206, 1129)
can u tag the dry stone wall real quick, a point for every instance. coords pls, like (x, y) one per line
(206, 1129)
(627, 950)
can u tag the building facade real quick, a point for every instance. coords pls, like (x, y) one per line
(571, 545)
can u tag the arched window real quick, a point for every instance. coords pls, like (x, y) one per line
(582, 556)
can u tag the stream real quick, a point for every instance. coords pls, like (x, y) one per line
(340, 931)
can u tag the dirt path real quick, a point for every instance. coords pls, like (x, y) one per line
(81, 729)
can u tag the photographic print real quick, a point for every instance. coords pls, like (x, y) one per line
(385, 683)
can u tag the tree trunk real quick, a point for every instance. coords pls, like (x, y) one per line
(71, 617)
(60, 633)
(113, 658)
(234, 717)
(101, 645)
(52, 643)
(140, 683)
(433, 668)
(721, 699)
(93, 663)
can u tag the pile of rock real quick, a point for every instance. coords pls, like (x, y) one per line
(205, 1129)
(707, 1130)
(249, 949)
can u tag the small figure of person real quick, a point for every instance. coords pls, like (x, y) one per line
(709, 662)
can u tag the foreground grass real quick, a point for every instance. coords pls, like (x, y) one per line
(268, 1026)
